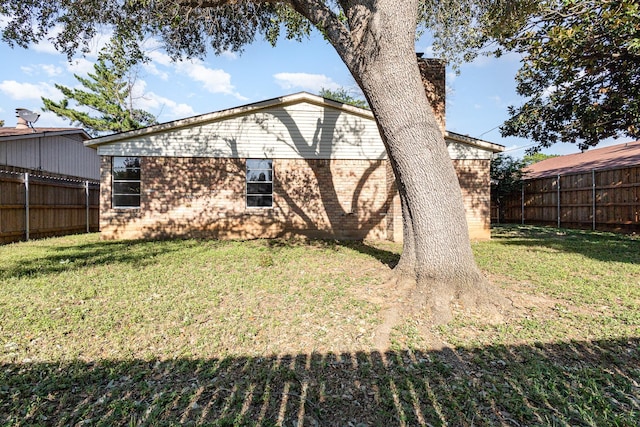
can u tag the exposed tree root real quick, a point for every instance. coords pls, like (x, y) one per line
(436, 302)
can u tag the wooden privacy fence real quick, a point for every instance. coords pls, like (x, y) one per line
(33, 206)
(598, 199)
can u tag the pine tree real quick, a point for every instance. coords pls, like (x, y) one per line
(108, 93)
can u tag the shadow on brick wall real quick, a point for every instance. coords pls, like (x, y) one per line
(314, 197)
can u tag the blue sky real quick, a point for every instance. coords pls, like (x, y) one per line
(477, 98)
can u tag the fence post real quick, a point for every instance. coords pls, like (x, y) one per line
(26, 205)
(558, 185)
(593, 196)
(86, 194)
(522, 203)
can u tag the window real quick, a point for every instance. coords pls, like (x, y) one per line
(259, 183)
(126, 182)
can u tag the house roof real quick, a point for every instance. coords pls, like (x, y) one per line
(489, 146)
(11, 133)
(269, 103)
(615, 156)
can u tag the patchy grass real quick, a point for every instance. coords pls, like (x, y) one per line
(80, 298)
(281, 333)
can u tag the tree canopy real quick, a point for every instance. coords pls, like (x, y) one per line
(343, 95)
(109, 92)
(506, 176)
(580, 72)
(532, 158)
(375, 39)
(188, 28)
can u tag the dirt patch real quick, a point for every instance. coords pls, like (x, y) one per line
(517, 301)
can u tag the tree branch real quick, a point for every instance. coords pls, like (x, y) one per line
(325, 20)
(215, 3)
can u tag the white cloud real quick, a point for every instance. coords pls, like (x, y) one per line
(94, 45)
(450, 77)
(160, 57)
(49, 69)
(24, 91)
(158, 105)
(305, 81)
(49, 119)
(548, 91)
(428, 51)
(213, 80)
(80, 66)
(484, 61)
(28, 70)
(44, 46)
(152, 69)
(229, 55)
(138, 89)
(165, 108)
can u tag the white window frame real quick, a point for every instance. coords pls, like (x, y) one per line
(115, 181)
(257, 165)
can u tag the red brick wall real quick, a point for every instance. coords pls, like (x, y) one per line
(433, 73)
(205, 197)
(345, 199)
(473, 176)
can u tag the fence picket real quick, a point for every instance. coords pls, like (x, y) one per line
(598, 199)
(35, 206)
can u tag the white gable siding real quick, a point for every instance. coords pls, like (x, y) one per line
(461, 151)
(301, 129)
(295, 131)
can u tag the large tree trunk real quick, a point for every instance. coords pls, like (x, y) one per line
(437, 253)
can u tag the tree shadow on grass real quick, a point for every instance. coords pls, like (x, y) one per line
(387, 257)
(570, 383)
(602, 246)
(61, 257)
(75, 256)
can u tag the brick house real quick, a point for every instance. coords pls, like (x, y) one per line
(295, 165)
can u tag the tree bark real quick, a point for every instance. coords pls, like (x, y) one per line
(376, 41)
(437, 253)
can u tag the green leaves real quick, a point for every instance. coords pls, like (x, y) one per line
(108, 92)
(580, 73)
(506, 175)
(343, 95)
(463, 29)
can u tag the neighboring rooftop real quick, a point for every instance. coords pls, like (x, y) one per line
(6, 132)
(25, 128)
(615, 156)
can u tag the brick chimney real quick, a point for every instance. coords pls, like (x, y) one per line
(22, 123)
(433, 73)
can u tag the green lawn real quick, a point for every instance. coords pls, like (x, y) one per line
(281, 333)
